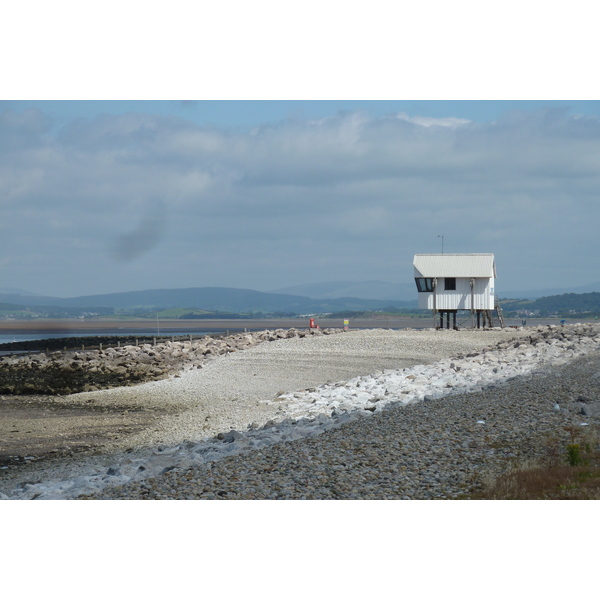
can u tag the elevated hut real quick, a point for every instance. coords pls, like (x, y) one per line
(448, 283)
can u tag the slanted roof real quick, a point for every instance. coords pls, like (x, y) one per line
(455, 265)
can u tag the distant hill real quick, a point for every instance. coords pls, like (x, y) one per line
(382, 290)
(230, 300)
(533, 294)
(378, 290)
(301, 299)
(563, 305)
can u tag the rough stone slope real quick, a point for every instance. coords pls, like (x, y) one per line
(63, 373)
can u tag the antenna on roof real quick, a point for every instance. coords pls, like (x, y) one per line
(442, 243)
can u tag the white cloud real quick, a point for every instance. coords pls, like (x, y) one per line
(452, 122)
(293, 201)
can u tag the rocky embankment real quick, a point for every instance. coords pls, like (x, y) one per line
(475, 402)
(470, 419)
(62, 373)
(462, 373)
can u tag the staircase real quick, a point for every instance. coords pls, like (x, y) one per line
(498, 310)
(488, 319)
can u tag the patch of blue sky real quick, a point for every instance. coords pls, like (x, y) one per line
(246, 114)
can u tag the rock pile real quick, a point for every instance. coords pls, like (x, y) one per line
(59, 373)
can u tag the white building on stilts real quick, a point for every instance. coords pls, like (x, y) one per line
(448, 283)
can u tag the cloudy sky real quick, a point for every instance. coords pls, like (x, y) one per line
(116, 196)
(304, 184)
(276, 177)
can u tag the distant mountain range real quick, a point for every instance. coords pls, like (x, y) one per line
(209, 298)
(406, 292)
(534, 294)
(380, 290)
(301, 299)
(563, 305)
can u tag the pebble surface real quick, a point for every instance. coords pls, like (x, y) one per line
(437, 449)
(419, 431)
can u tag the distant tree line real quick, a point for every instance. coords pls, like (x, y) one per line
(564, 305)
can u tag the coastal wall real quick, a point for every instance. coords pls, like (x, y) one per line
(63, 373)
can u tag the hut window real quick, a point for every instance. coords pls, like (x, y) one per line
(424, 284)
(450, 283)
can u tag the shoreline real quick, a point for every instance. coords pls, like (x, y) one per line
(188, 420)
(174, 325)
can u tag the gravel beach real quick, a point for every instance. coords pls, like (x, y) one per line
(438, 449)
(400, 419)
(242, 388)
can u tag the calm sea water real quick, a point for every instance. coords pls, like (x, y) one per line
(166, 333)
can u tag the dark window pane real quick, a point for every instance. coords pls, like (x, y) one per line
(450, 283)
(424, 284)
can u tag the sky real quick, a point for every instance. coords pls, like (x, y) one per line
(317, 142)
(105, 196)
(270, 177)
